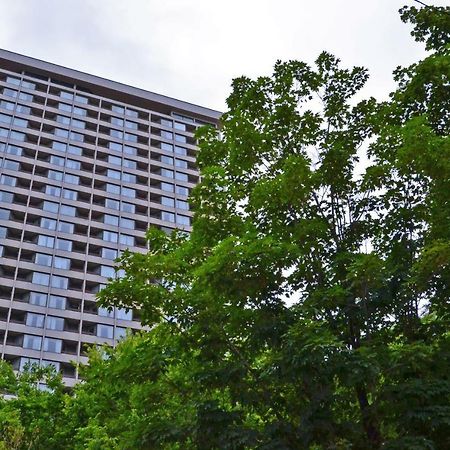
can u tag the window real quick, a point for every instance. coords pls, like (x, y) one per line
(81, 99)
(74, 150)
(116, 134)
(66, 210)
(66, 227)
(71, 179)
(128, 178)
(46, 241)
(181, 176)
(128, 207)
(129, 164)
(182, 204)
(59, 282)
(183, 220)
(127, 223)
(6, 197)
(124, 314)
(15, 135)
(6, 180)
(35, 320)
(23, 109)
(180, 150)
(66, 95)
(112, 204)
(168, 187)
(116, 121)
(165, 146)
(54, 323)
(12, 80)
(48, 224)
(118, 109)
(166, 123)
(131, 125)
(79, 111)
(57, 161)
(130, 150)
(43, 260)
(14, 150)
(59, 146)
(20, 122)
(113, 174)
(32, 342)
(167, 216)
(180, 138)
(111, 220)
(105, 331)
(52, 345)
(64, 245)
(26, 363)
(65, 107)
(115, 146)
(128, 192)
(181, 163)
(72, 164)
(167, 160)
(105, 312)
(3, 232)
(38, 298)
(54, 175)
(130, 137)
(53, 191)
(78, 124)
(4, 214)
(131, 113)
(61, 133)
(167, 201)
(109, 236)
(63, 119)
(166, 173)
(109, 253)
(107, 272)
(126, 240)
(76, 136)
(166, 134)
(61, 263)
(28, 85)
(7, 105)
(40, 278)
(180, 126)
(181, 190)
(120, 333)
(57, 302)
(69, 194)
(46, 363)
(11, 165)
(50, 206)
(114, 160)
(112, 188)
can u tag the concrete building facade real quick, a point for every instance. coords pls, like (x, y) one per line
(86, 166)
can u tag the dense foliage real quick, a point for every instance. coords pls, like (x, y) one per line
(309, 308)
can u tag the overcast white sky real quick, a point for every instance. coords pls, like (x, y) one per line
(192, 49)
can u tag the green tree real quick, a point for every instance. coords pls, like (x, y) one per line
(31, 409)
(309, 307)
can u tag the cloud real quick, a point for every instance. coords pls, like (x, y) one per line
(192, 49)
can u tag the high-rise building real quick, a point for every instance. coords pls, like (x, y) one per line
(86, 166)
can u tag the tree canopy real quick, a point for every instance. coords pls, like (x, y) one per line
(309, 307)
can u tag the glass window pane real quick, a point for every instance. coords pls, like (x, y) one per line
(57, 302)
(35, 320)
(52, 345)
(32, 342)
(38, 298)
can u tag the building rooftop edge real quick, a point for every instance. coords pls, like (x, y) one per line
(75, 74)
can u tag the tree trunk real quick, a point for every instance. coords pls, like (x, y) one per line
(369, 423)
